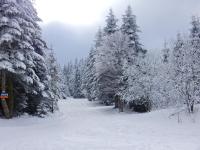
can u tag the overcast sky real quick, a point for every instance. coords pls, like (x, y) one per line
(70, 25)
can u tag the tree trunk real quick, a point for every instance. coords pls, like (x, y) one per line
(3, 101)
(122, 108)
(121, 105)
(192, 107)
(52, 109)
(116, 102)
(11, 97)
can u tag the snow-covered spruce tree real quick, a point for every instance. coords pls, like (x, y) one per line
(90, 77)
(77, 84)
(137, 93)
(109, 63)
(56, 81)
(131, 29)
(78, 75)
(82, 70)
(53, 81)
(22, 53)
(68, 73)
(111, 24)
(132, 87)
(63, 89)
(74, 78)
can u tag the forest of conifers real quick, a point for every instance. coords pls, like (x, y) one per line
(118, 70)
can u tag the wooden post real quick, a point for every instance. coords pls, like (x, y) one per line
(3, 100)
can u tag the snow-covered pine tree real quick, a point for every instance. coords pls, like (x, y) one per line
(22, 56)
(131, 29)
(137, 93)
(77, 84)
(90, 76)
(56, 81)
(108, 61)
(133, 72)
(68, 73)
(109, 66)
(111, 24)
(53, 81)
(98, 38)
(74, 78)
(82, 70)
(77, 79)
(63, 89)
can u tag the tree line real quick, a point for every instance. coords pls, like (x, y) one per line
(120, 72)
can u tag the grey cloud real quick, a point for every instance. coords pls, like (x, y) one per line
(68, 42)
(159, 20)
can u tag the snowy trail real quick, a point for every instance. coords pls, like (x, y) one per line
(82, 125)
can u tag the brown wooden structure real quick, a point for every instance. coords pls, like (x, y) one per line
(6, 95)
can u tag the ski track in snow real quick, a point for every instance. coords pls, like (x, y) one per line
(82, 125)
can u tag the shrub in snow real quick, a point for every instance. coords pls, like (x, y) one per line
(142, 104)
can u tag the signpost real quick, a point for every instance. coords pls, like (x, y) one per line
(4, 95)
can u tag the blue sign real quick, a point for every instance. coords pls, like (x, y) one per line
(4, 94)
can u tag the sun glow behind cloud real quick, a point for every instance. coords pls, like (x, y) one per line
(74, 12)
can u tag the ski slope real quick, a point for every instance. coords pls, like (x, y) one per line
(82, 125)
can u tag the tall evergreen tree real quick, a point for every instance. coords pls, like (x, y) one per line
(90, 76)
(77, 84)
(130, 28)
(133, 70)
(111, 24)
(22, 54)
(68, 78)
(109, 66)
(56, 81)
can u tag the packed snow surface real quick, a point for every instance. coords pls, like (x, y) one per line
(82, 125)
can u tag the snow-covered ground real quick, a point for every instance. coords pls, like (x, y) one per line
(82, 125)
